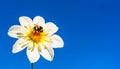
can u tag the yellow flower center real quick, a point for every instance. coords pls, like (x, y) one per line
(36, 34)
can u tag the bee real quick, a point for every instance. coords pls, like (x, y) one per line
(38, 28)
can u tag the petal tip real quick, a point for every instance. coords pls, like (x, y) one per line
(33, 56)
(13, 51)
(39, 20)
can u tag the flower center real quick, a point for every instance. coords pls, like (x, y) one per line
(36, 34)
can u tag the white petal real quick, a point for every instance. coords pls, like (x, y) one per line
(48, 52)
(50, 28)
(19, 45)
(34, 55)
(57, 41)
(39, 20)
(24, 20)
(15, 31)
(30, 46)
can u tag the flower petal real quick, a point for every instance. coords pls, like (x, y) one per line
(57, 41)
(47, 52)
(24, 20)
(15, 31)
(39, 20)
(33, 55)
(19, 45)
(50, 28)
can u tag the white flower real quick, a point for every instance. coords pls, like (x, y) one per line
(37, 36)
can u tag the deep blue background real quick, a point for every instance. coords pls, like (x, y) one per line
(89, 28)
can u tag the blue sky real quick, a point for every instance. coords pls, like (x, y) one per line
(90, 30)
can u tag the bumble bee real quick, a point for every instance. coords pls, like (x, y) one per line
(38, 28)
